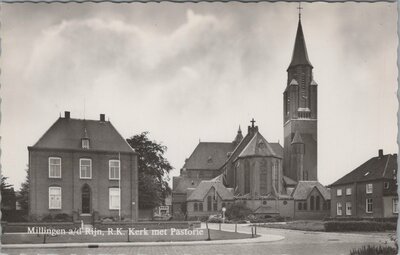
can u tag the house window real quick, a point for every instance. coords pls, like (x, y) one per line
(85, 168)
(305, 206)
(386, 185)
(209, 204)
(395, 205)
(338, 192)
(195, 207)
(348, 208)
(339, 209)
(348, 191)
(317, 203)
(299, 206)
(215, 206)
(368, 188)
(114, 169)
(223, 205)
(200, 207)
(85, 143)
(54, 167)
(368, 205)
(54, 197)
(114, 198)
(312, 203)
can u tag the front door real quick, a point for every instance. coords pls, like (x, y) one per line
(86, 199)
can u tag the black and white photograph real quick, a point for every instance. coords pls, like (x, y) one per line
(199, 128)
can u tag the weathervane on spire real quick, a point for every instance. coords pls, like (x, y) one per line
(299, 8)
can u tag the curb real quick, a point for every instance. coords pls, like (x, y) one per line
(259, 239)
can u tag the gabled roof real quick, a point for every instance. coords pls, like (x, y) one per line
(181, 184)
(204, 187)
(300, 56)
(209, 155)
(297, 138)
(67, 133)
(304, 188)
(293, 82)
(313, 83)
(258, 146)
(384, 167)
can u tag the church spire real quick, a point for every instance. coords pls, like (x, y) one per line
(300, 56)
(238, 138)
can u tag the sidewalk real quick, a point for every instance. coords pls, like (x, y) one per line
(261, 238)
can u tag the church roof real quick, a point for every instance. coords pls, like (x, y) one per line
(204, 187)
(300, 56)
(384, 167)
(209, 155)
(67, 133)
(288, 181)
(303, 189)
(258, 146)
(181, 184)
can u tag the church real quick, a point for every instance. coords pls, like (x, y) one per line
(267, 178)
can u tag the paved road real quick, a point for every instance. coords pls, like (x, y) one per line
(295, 242)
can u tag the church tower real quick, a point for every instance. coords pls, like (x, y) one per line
(300, 115)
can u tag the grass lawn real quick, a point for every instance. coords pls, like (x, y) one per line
(305, 225)
(164, 236)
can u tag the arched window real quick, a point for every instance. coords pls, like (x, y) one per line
(209, 204)
(312, 203)
(200, 207)
(317, 206)
(195, 207)
(299, 206)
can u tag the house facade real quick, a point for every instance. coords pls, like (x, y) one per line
(83, 168)
(369, 191)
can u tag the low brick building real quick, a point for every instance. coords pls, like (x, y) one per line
(208, 198)
(312, 200)
(83, 168)
(369, 191)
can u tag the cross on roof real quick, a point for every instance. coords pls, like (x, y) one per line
(299, 8)
(252, 122)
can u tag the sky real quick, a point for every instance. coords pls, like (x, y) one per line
(195, 72)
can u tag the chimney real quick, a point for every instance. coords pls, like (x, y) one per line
(102, 117)
(380, 153)
(67, 115)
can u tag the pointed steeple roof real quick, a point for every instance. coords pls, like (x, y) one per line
(239, 137)
(300, 56)
(297, 138)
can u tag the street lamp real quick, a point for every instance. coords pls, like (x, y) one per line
(223, 214)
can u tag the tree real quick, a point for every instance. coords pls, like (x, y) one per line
(23, 196)
(7, 195)
(153, 170)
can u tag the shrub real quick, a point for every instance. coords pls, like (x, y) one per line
(238, 211)
(374, 250)
(47, 218)
(333, 226)
(390, 219)
(62, 217)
